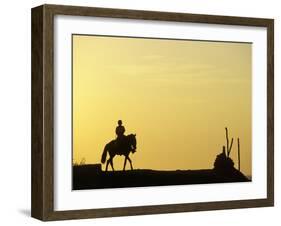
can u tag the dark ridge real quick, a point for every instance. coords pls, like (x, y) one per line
(92, 177)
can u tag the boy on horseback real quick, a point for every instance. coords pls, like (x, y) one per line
(120, 130)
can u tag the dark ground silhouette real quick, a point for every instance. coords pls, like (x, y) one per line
(91, 177)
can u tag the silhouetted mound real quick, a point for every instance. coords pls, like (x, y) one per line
(92, 177)
(224, 168)
(223, 162)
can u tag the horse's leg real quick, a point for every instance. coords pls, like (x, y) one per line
(107, 162)
(111, 163)
(125, 161)
(130, 162)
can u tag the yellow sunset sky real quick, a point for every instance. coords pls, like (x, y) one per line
(176, 95)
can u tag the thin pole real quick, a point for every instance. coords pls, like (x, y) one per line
(227, 141)
(238, 141)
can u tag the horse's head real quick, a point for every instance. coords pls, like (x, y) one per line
(132, 142)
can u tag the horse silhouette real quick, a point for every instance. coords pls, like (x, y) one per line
(122, 147)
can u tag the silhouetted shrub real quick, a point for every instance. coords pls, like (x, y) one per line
(223, 163)
(81, 163)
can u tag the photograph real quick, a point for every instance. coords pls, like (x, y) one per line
(160, 111)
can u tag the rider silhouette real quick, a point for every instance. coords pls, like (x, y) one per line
(120, 130)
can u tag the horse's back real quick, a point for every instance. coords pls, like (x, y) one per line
(110, 144)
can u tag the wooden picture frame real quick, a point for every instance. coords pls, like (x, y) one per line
(42, 203)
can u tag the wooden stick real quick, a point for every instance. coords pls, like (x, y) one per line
(230, 146)
(227, 141)
(238, 142)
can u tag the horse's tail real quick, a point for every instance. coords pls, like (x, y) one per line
(103, 157)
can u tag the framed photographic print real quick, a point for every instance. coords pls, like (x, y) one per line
(142, 112)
